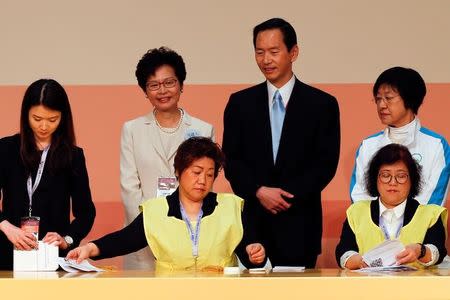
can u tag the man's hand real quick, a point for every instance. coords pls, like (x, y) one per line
(272, 200)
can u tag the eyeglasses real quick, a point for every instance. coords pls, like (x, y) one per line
(386, 177)
(156, 85)
(386, 99)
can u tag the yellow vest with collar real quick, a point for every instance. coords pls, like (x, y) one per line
(369, 235)
(169, 239)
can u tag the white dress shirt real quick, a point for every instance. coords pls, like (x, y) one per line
(285, 92)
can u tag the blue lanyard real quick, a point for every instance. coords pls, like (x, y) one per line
(32, 188)
(386, 232)
(194, 235)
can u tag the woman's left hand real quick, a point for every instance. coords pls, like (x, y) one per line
(256, 253)
(55, 239)
(409, 255)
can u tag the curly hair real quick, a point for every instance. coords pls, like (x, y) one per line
(154, 59)
(388, 155)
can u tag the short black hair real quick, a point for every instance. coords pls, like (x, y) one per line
(154, 59)
(388, 155)
(195, 148)
(289, 35)
(407, 82)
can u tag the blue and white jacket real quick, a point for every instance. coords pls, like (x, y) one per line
(429, 149)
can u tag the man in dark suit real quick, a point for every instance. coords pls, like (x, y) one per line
(281, 139)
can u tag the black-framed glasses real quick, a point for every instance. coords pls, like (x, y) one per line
(386, 177)
(156, 85)
(386, 99)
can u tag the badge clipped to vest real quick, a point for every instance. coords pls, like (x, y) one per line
(166, 186)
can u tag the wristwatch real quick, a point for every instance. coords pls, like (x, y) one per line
(423, 251)
(69, 240)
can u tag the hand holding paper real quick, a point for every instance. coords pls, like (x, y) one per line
(384, 254)
(83, 252)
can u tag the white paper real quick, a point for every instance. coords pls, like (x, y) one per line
(257, 271)
(283, 269)
(42, 259)
(384, 254)
(387, 269)
(266, 269)
(72, 266)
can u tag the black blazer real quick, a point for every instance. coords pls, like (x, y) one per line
(435, 234)
(57, 195)
(307, 160)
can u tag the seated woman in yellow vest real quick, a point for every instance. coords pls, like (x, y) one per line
(394, 177)
(191, 229)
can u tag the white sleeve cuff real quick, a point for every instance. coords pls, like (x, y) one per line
(345, 257)
(434, 255)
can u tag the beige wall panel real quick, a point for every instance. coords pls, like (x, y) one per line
(100, 42)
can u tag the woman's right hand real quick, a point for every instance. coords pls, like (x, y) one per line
(256, 253)
(355, 262)
(20, 239)
(83, 252)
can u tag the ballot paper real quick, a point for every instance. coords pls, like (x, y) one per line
(71, 266)
(264, 270)
(42, 259)
(387, 269)
(384, 254)
(45, 258)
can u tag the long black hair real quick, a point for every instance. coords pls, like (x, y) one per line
(50, 94)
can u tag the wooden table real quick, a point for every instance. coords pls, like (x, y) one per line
(311, 284)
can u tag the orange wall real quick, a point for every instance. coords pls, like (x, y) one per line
(100, 111)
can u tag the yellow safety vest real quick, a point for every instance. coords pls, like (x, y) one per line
(369, 235)
(169, 239)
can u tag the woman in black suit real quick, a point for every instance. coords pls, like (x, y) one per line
(43, 174)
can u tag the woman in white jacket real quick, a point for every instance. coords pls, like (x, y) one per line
(149, 143)
(398, 93)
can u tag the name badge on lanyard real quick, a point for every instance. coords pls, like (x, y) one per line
(193, 234)
(31, 188)
(166, 186)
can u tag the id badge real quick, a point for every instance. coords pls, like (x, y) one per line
(166, 186)
(31, 225)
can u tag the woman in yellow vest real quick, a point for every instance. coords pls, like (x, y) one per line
(394, 177)
(191, 229)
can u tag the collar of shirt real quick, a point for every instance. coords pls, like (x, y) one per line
(397, 212)
(285, 91)
(403, 135)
